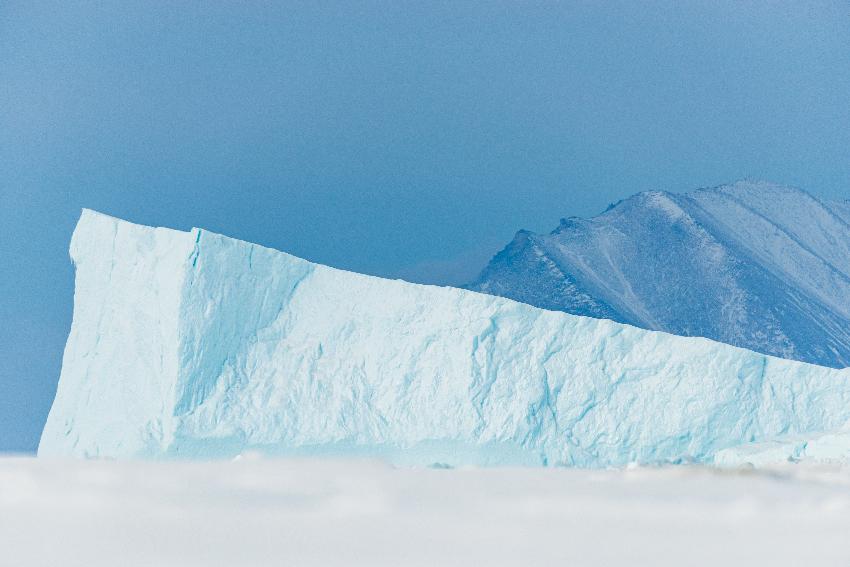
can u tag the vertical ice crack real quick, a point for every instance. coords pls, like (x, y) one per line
(196, 251)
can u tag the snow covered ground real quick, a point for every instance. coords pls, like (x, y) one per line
(299, 512)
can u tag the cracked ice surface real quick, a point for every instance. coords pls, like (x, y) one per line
(195, 344)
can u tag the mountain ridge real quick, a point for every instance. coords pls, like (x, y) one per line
(752, 264)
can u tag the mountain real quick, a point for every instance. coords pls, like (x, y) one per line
(751, 264)
(192, 344)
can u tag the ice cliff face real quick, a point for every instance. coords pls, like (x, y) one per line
(751, 264)
(195, 344)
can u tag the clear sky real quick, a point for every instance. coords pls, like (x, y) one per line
(401, 139)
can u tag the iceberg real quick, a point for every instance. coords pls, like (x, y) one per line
(751, 264)
(196, 345)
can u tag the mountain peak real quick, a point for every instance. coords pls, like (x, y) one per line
(751, 263)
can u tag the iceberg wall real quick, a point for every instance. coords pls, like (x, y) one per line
(192, 344)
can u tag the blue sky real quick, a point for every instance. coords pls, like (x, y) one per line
(393, 138)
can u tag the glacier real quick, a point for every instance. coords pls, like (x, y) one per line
(196, 345)
(752, 264)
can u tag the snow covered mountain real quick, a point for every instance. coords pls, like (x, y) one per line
(751, 264)
(195, 344)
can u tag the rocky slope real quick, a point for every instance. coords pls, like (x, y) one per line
(752, 264)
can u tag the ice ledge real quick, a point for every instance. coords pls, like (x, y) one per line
(814, 448)
(193, 344)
